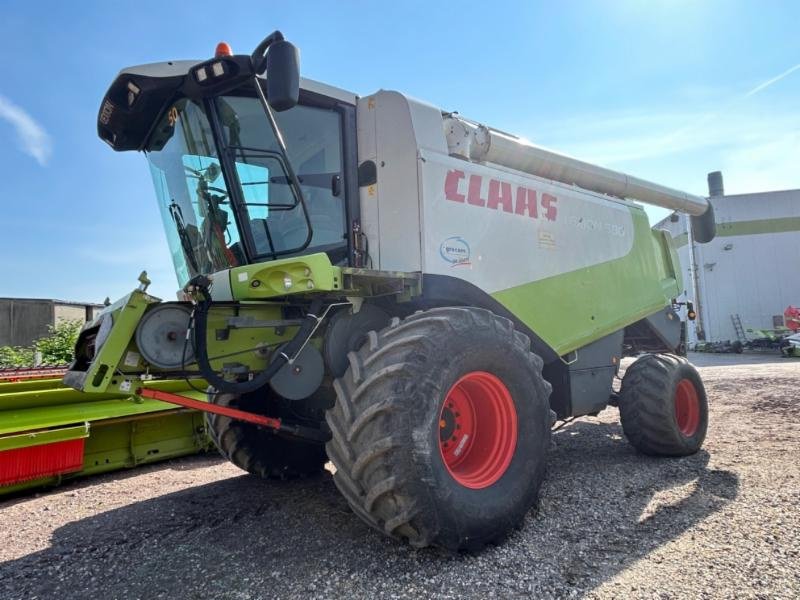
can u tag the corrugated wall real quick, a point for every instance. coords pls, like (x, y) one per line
(752, 268)
(23, 321)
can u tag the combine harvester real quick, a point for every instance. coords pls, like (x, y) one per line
(374, 281)
(49, 432)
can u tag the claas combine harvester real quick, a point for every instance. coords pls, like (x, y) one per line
(373, 281)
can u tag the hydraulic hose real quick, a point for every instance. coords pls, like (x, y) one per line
(260, 380)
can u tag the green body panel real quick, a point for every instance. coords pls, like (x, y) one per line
(118, 365)
(127, 313)
(30, 411)
(131, 442)
(26, 419)
(49, 436)
(11, 400)
(243, 344)
(571, 310)
(248, 344)
(265, 280)
(673, 263)
(31, 385)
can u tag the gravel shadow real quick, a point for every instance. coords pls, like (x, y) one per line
(603, 507)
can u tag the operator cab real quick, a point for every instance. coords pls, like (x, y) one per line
(237, 180)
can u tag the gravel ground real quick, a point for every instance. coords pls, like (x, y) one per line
(611, 523)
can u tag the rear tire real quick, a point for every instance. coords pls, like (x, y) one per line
(258, 450)
(663, 406)
(391, 424)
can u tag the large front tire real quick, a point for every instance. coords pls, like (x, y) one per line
(441, 428)
(663, 406)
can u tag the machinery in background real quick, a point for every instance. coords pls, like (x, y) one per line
(790, 345)
(723, 347)
(50, 433)
(781, 339)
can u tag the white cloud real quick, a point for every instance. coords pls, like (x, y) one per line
(33, 139)
(614, 140)
(769, 82)
(756, 146)
(766, 165)
(752, 136)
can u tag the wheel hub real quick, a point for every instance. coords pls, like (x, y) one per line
(687, 407)
(477, 430)
(447, 425)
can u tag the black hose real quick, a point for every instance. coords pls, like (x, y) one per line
(260, 380)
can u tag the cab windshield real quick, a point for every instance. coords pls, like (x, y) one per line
(215, 219)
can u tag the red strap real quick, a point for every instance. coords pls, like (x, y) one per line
(233, 413)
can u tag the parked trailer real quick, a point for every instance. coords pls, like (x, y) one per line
(50, 433)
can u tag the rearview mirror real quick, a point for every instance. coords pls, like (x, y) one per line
(283, 75)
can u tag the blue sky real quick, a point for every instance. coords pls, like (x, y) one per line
(664, 90)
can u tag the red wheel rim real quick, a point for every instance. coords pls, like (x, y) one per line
(477, 430)
(687, 407)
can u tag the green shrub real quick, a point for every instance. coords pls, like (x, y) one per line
(56, 347)
(14, 356)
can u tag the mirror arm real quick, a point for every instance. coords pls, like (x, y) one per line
(259, 56)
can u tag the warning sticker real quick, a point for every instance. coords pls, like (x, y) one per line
(131, 359)
(547, 240)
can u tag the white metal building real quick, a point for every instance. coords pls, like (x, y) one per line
(751, 269)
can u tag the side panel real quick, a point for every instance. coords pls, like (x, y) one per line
(578, 307)
(394, 201)
(368, 195)
(499, 230)
(572, 265)
(592, 373)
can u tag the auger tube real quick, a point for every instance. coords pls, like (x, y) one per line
(482, 144)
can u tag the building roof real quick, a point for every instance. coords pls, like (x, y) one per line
(795, 191)
(53, 300)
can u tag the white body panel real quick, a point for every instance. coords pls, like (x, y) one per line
(490, 225)
(479, 226)
(390, 209)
